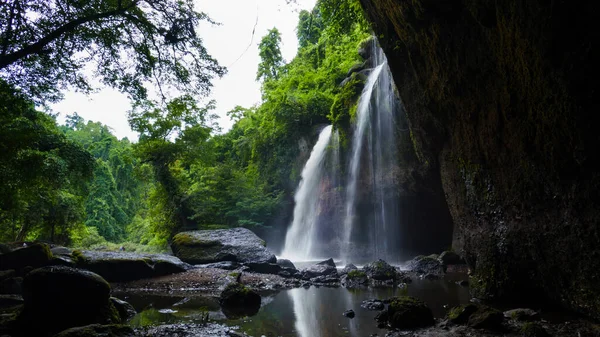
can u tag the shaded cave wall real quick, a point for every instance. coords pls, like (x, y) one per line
(501, 98)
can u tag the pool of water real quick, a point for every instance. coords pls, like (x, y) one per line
(312, 312)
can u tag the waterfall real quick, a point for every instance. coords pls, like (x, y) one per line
(302, 234)
(360, 224)
(371, 165)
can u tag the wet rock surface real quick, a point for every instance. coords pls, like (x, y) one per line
(237, 300)
(406, 312)
(97, 330)
(426, 265)
(322, 270)
(189, 330)
(58, 297)
(125, 266)
(380, 270)
(375, 305)
(208, 246)
(33, 255)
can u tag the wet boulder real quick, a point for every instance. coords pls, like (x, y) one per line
(406, 312)
(237, 300)
(125, 266)
(461, 314)
(34, 255)
(264, 268)
(487, 318)
(380, 271)
(348, 268)
(226, 265)
(59, 250)
(355, 279)
(208, 246)
(112, 330)
(522, 315)
(324, 268)
(349, 313)
(12, 285)
(373, 304)
(8, 301)
(285, 263)
(58, 298)
(426, 265)
(126, 310)
(450, 258)
(531, 329)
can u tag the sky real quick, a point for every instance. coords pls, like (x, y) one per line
(231, 43)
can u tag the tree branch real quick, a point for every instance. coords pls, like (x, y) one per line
(38, 47)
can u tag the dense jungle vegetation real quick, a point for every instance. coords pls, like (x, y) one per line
(77, 184)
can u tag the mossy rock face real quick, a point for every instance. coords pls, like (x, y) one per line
(487, 318)
(531, 329)
(380, 270)
(58, 297)
(209, 246)
(126, 310)
(407, 312)
(95, 330)
(450, 258)
(461, 314)
(237, 300)
(34, 255)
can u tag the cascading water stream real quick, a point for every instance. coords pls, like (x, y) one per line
(300, 237)
(353, 219)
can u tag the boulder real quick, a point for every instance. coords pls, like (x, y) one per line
(373, 304)
(408, 313)
(126, 310)
(34, 255)
(59, 250)
(380, 270)
(522, 315)
(285, 263)
(4, 248)
(326, 280)
(426, 265)
(125, 266)
(324, 268)
(349, 313)
(328, 262)
(531, 329)
(7, 301)
(237, 300)
(348, 268)
(208, 246)
(58, 298)
(355, 279)
(6, 274)
(264, 268)
(486, 318)
(113, 330)
(226, 265)
(13, 285)
(461, 314)
(450, 258)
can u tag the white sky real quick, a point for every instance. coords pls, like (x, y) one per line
(226, 43)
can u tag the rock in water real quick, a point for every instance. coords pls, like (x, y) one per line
(208, 246)
(237, 300)
(320, 269)
(375, 305)
(355, 279)
(522, 315)
(285, 263)
(126, 310)
(328, 262)
(349, 313)
(59, 297)
(408, 313)
(426, 265)
(348, 268)
(380, 270)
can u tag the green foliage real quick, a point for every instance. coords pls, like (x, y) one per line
(43, 173)
(47, 44)
(270, 56)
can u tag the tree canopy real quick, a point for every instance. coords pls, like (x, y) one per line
(46, 46)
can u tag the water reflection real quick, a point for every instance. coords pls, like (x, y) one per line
(313, 312)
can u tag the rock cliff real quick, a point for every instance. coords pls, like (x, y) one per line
(501, 98)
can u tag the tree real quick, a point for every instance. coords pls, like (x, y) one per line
(310, 25)
(271, 60)
(43, 173)
(178, 132)
(47, 45)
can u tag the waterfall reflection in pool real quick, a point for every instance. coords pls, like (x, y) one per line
(312, 312)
